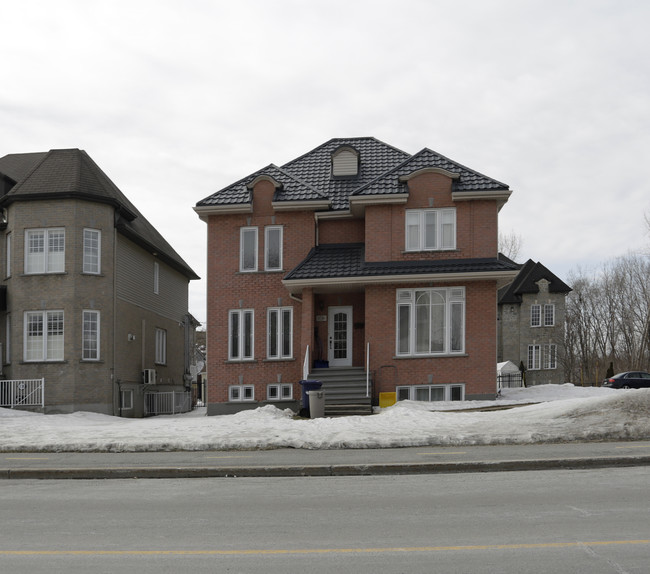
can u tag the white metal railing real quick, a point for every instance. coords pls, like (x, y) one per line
(22, 393)
(167, 403)
(305, 365)
(368, 370)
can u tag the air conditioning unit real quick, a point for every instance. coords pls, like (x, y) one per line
(149, 376)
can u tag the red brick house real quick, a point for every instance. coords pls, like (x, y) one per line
(359, 265)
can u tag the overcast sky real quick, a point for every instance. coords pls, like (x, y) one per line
(175, 99)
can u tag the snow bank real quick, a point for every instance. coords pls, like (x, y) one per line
(560, 413)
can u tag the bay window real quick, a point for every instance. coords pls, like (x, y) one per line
(43, 336)
(430, 321)
(44, 251)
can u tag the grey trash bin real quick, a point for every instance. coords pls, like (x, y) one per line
(316, 404)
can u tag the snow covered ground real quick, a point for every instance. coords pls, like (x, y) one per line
(560, 413)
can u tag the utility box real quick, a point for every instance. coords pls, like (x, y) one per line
(387, 399)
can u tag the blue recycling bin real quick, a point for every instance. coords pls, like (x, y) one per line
(306, 387)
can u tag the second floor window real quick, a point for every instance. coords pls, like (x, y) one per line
(44, 250)
(430, 229)
(92, 246)
(273, 248)
(248, 249)
(535, 315)
(549, 315)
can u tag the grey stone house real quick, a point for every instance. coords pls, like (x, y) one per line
(530, 323)
(93, 299)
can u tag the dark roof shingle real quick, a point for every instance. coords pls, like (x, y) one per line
(347, 260)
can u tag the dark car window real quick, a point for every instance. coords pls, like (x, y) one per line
(632, 376)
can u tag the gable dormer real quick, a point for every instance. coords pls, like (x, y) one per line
(345, 162)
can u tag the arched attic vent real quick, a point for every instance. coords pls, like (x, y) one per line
(345, 162)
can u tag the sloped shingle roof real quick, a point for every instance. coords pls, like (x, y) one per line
(309, 177)
(526, 282)
(347, 260)
(71, 173)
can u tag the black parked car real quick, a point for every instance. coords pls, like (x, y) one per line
(629, 380)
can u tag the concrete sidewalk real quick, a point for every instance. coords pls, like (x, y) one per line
(305, 463)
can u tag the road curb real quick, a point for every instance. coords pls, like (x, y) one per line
(321, 470)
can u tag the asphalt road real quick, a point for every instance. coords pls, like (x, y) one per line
(300, 462)
(595, 521)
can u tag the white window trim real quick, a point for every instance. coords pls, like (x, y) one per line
(239, 356)
(536, 315)
(43, 358)
(454, 296)
(243, 231)
(161, 347)
(156, 278)
(534, 359)
(124, 394)
(8, 253)
(8, 339)
(550, 356)
(47, 265)
(267, 231)
(97, 334)
(412, 390)
(283, 392)
(549, 312)
(237, 393)
(278, 336)
(91, 252)
(421, 215)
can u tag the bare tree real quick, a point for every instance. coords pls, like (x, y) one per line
(510, 244)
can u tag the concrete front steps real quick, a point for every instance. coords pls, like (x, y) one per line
(345, 390)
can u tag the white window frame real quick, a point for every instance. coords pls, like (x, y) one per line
(453, 322)
(534, 357)
(49, 258)
(126, 399)
(278, 392)
(52, 345)
(536, 315)
(550, 356)
(8, 253)
(417, 392)
(549, 315)
(92, 249)
(243, 349)
(268, 230)
(8, 339)
(90, 337)
(279, 342)
(156, 278)
(430, 229)
(241, 393)
(244, 255)
(161, 346)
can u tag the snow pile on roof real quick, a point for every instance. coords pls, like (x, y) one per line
(561, 413)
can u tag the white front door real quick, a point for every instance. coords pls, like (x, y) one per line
(339, 344)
